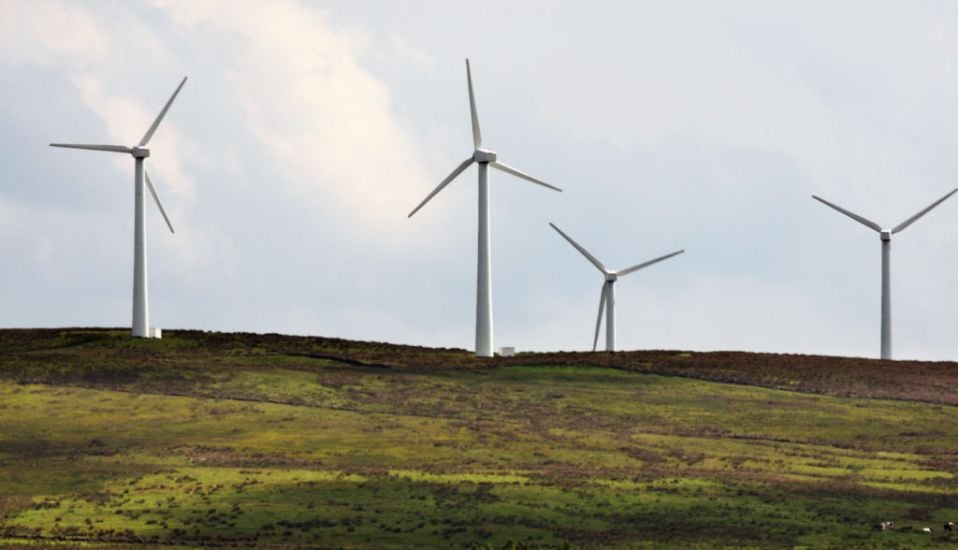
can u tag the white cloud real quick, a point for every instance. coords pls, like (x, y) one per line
(326, 121)
(89, 49)
(47, 32)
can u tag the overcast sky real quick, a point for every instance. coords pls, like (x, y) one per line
(309, 129)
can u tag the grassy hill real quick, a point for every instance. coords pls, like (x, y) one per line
(204, 439)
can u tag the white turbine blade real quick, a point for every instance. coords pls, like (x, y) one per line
(598, 320)
(852, 215)
(912, 219)
(510, 170)
(465, 164)
(584, 252)
(149, 183)
(628, 270)
(159, 118)
(476, 134)
(110, 148)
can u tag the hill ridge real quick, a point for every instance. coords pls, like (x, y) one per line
(908, 380)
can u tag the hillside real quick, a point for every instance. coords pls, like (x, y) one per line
(204, 439)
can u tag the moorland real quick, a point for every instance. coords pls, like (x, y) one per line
(208, 439)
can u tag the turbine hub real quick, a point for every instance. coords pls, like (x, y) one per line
(611, 277)
(885, 234)
(483, 156)
(140, 152)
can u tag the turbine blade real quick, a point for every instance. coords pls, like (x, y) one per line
(149, 183)
(628, 270)
(584, 252)
(465, 164)
(912, 219)
(510, 170)
(598, 320)
(110, 148)
(159, 118)
(852, 215)
(476, 134)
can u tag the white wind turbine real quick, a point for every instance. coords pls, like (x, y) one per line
(885, 235)
(141, 315)
(484, 158)
(607, 297)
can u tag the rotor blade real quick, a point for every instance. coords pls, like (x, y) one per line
(912, 219)
(628, 270)
(465, 164)
(584, 252)
(149, 183)
(159, 118)
(598, 320)
(510, 170)
(110, 148)
(476, 134)
(852, 215)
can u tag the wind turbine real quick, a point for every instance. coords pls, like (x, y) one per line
(885, 235)
(607, 297)
(139, 152)
(484, 158)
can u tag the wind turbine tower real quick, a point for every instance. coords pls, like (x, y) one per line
(484, 158)
(885, 235)
(139, 152)
(607, 297)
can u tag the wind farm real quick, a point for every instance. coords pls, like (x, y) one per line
(266, 440)
(323, 377)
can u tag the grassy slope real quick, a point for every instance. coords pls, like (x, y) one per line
(206, 438)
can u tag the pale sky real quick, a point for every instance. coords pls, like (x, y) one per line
(309, 129)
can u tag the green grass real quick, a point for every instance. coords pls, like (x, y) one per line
(204, 439)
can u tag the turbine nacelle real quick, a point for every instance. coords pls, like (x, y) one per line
(885, 234)
(140, 152)
(611, 277)
(484, 156)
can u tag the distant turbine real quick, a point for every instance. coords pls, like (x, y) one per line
(885, 235)
(141, 316)
(484, 158)
(607, 297)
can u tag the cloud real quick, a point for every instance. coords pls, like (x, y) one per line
(327, 122)
(839, 94)
(92, 53)
(47, 32)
